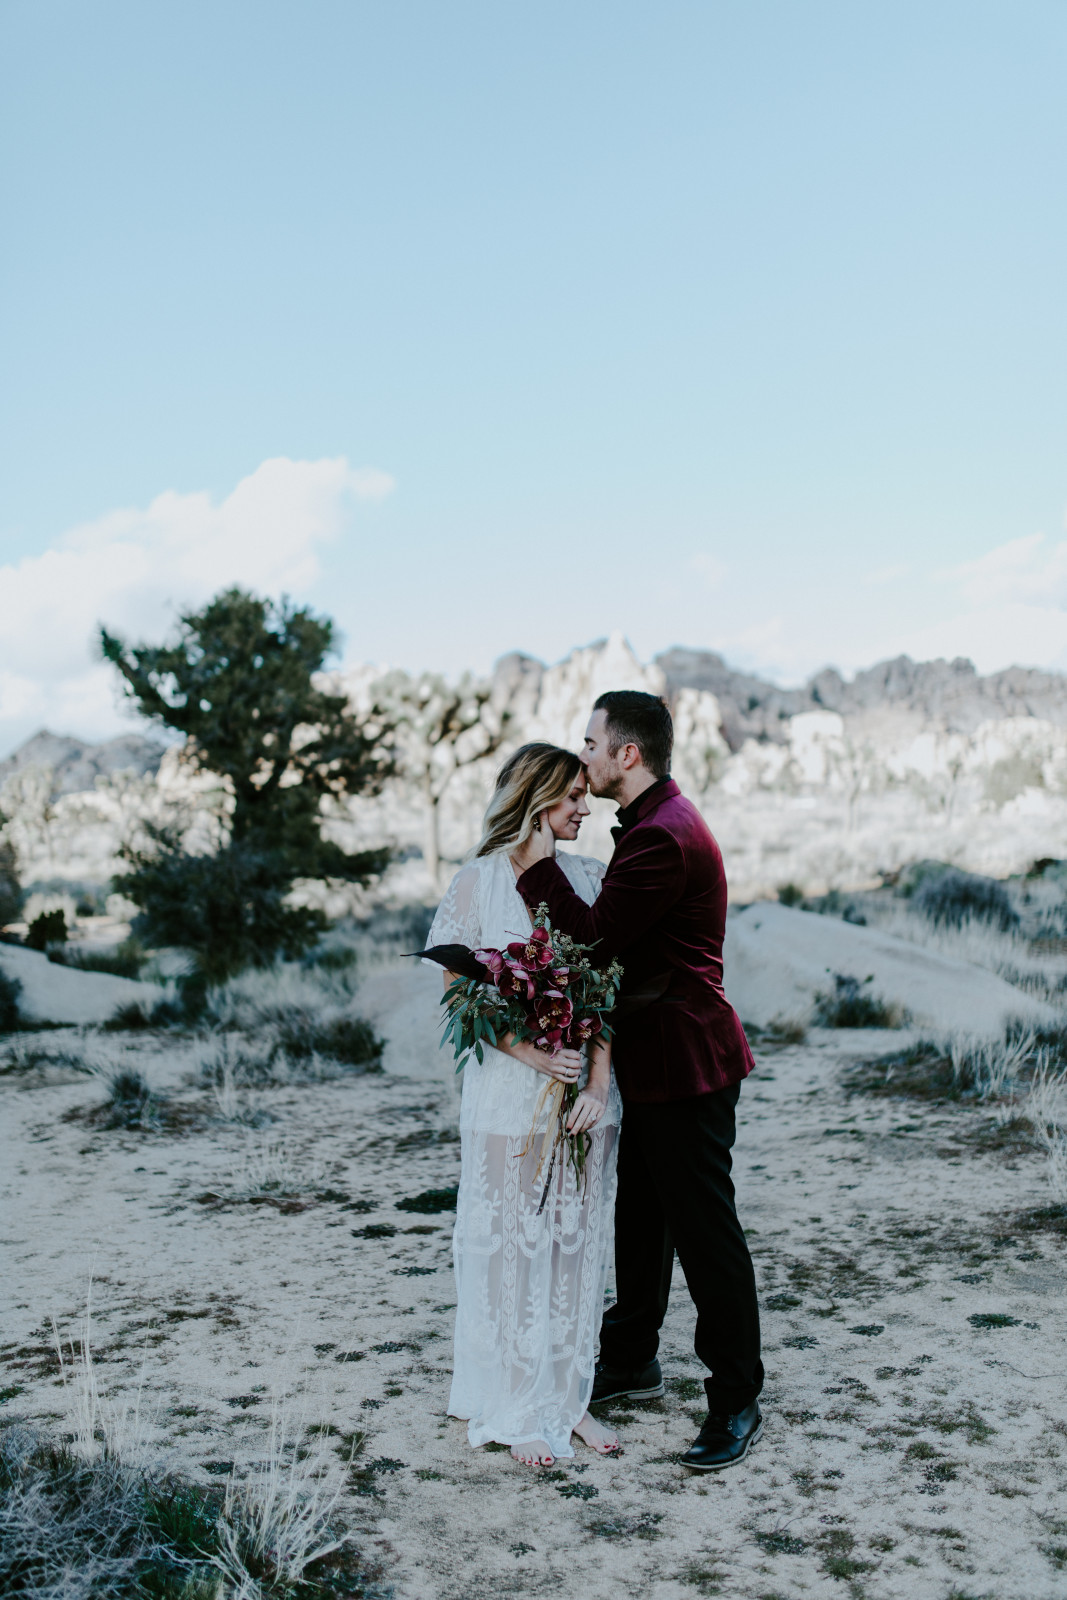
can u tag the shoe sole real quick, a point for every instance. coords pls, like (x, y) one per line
(722, 1466)
(656, 1393)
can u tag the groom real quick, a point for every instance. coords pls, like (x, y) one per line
(680, 1055)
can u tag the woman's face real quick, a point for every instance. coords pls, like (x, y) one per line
(565, 817)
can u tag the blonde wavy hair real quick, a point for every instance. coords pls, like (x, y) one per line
(535, 778)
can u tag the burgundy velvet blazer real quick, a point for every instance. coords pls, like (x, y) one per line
(662, 911)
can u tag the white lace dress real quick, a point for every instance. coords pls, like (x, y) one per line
(529, 1288)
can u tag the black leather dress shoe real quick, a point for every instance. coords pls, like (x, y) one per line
(724, 1440)
(621, 1383)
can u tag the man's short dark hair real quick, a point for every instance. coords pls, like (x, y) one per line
(640, 719)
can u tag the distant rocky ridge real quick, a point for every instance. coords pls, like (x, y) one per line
(949, 692)
(825, 786)
(75, 764)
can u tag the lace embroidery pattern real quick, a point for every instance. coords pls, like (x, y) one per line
(529, 1288)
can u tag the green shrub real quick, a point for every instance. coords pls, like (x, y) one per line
(49, 928)
(790, 895)
(130, 1101)
(122, 961)
(11, 895)
(852, 1005)
(135, 1018)
(949, 897)
(333, 958)
(347, 1039)
(10, 989)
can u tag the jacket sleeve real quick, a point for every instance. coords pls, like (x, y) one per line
(646, 877)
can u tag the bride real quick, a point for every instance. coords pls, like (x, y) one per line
(529, 1286)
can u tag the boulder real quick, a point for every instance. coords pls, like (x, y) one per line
(51, 993)
(779, 960)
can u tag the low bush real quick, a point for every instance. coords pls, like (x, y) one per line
(787, 1030)
(790, 895)
(853, 1005)
(84, 1528)
(122, 961)
(50, 928)
(130, 1102)
(298, 1012)
(10, 989)
(347, 1039)
(11, 893)
(333, 958)
(949, 898)
(136, 1018)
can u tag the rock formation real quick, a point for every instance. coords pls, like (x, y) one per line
(828, 785)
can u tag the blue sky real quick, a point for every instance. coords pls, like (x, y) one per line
(736, 326)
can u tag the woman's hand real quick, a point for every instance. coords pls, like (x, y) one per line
(588, 1110)
(564, 1066)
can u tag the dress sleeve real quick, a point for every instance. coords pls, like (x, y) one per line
(595, 871)
(584, 873)
(459, 916)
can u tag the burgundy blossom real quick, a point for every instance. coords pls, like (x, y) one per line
(493, 959)
(534, 952)
(514, 979)
(554, 1010)
(561, 976)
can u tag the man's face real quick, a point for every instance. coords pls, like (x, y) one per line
(603, 770)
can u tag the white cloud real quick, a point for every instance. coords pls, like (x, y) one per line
(890, 574)
(997, 636)
(709, 568)
(1027, 571)
(134, 570)
(1014, 609)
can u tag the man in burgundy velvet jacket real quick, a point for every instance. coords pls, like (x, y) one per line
(680, 1056)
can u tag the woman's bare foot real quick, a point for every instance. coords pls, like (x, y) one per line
(597, 1437)
(534, 1453)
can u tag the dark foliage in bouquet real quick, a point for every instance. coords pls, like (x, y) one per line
(238, 684)
(543, 989)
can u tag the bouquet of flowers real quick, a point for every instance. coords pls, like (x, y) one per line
(544, 989)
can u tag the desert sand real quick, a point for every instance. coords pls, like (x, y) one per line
(914, 1315)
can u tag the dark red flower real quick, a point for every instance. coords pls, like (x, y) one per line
(553, 1010)
(514, 979)
(493, 959)
(561, 976)
(534, 952)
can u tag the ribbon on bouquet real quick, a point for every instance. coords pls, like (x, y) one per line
(552, 1096)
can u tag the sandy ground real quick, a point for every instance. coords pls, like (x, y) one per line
(907, 1452)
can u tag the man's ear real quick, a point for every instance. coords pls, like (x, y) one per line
(629, 757)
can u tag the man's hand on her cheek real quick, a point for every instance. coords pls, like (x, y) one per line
(542, 844)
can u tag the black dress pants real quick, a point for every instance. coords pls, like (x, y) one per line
(675, 1193)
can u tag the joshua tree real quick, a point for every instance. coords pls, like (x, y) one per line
(28, 818)
(440, 727)
(238, 685)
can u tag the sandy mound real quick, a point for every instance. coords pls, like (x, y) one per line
(51, 993)
(778, 960)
